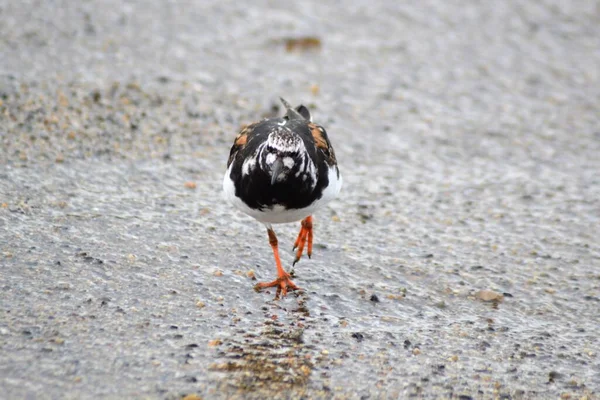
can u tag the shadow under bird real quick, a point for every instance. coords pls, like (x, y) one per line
(282, 170)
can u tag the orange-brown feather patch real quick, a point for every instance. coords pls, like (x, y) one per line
(241, 139)
(317, 134)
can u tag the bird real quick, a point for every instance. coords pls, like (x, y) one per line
(282, 170)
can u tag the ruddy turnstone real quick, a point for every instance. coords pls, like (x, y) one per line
(282, 170)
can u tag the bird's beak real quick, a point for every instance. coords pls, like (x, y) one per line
(276, 169)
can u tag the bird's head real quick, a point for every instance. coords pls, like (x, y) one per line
(284, 151)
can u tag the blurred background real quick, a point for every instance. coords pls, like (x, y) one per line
(460, 261)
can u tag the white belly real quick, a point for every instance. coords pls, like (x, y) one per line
(279, 215)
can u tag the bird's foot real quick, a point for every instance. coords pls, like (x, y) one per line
(305, 238)
(283, 284)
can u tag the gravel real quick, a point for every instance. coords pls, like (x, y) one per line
(461, 260)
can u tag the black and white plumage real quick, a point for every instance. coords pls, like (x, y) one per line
(282, 170)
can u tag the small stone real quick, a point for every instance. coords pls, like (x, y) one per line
(215, 342)
(416, 351)
(374, 298)
(489, 295)
(358, 336)
(190, 185)
(305, 369)
(191, 397)
(250, 274)
(553, 376)
(96, 96)
(200, 304)
(218, 273)
(395, 296)
(315, 89)
(63, 285)
(454, 358)
(301, 44)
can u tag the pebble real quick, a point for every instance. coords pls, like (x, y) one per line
(63, 285)
(191, 397)
(489, 295)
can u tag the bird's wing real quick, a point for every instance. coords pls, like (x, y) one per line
(241, 140)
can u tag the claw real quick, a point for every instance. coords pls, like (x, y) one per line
(305, 236)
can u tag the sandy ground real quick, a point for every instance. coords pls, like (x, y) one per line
(461, 260)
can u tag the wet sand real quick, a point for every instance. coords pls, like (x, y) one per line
(461, 260)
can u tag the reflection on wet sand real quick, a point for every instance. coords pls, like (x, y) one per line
(272, 361)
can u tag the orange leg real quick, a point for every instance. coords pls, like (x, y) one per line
(283, 281)
(305, 235)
